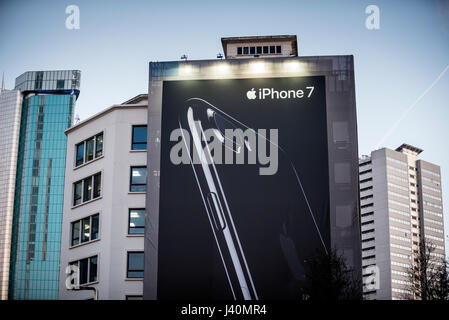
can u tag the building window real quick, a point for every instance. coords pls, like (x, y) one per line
(138, 179)
(79, 154)
(97, 185)
(85, 230)
(259, 50)
(75, 233)
(77, 193)
(59, 84)
(278, 49)
(272, 49)
(38, 81)
(252, 50)
(136, 220)
(95, 226)
(87, 189)
(135, 265)
(87, 269)
(89, 149)
(245, 50)
(239, 50)
(265, 49)
(139, 139)
(99, 145)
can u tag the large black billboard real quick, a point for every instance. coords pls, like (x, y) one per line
(245, 186)
(244, 190)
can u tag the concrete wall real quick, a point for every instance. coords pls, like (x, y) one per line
(11, 110)
(382, 234)
(431, 206)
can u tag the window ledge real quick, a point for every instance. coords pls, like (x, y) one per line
(137, 151)
(133, 279)
(137, 192)
(87, 202)
(89, 283)
(84, 243)
(88, 162)
(135, 235)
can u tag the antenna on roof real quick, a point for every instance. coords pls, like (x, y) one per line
(3, 82)
(184, 57)
(219, 56)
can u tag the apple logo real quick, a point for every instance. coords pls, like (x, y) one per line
(251, 94)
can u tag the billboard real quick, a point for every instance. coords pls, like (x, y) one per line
(244, 188)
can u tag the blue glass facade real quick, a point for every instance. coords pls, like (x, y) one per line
(38, 203)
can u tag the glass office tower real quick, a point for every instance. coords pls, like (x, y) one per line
(47, 111)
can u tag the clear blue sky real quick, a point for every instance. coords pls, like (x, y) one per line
(117, 39)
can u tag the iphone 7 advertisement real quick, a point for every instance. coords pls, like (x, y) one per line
(244, 187)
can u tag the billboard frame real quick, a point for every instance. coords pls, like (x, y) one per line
(342, 141)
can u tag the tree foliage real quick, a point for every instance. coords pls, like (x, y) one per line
(329, 278)
(428, 276)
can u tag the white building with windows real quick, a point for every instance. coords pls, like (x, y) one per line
(400, 206)
(104, 203)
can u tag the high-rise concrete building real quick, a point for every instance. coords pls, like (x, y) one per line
(104, 203)
(32, 123)
(401, 207)
(10, 111)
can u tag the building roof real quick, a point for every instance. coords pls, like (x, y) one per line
(49, 82)
(139, 101)
(258, 39)
(409, 147)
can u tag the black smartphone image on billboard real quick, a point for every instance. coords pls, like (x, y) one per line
(261, 229)
(214, 198)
